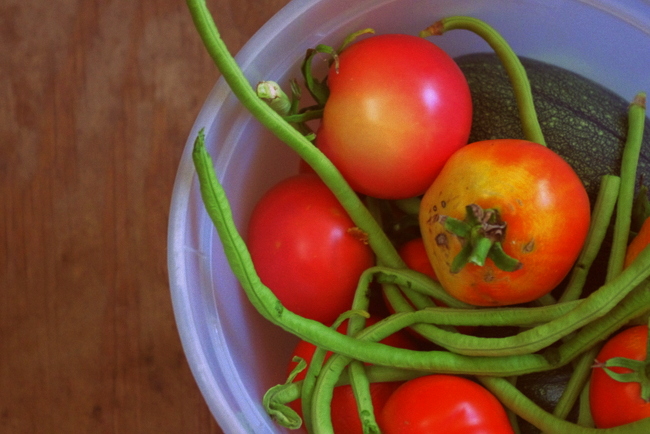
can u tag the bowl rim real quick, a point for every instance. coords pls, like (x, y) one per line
(633, 12)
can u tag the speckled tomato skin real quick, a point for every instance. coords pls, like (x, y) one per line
(537, 194)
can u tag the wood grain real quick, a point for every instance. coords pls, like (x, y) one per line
(96, 100)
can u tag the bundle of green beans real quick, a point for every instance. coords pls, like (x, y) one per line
(551, 335)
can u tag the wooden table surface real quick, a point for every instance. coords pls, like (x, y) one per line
(96, 102)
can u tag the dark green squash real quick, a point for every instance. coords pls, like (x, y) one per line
(545, 389)
(581, 120)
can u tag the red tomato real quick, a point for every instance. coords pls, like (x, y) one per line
(398, 107)
(414, 254)
(345, 418)
(612, 402)
(639, 242)
(446, 404)
(538, 196)
(305, 249)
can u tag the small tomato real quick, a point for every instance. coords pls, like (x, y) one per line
(443, 403)
(305, 248)
(638, 243)
(613, 402)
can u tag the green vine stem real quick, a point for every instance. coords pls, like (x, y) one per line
(269, 306)
(612, 189)
(631, 151)
(600, 221)
(277, 397)
(597, 306)
(512, 64)
(417, 282)
(585, 339)
(356, 370)
(242, 89)
(584, 408)
(247, 95)
(577, 382)
(356, 321)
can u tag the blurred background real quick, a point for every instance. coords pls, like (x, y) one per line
(97, 98)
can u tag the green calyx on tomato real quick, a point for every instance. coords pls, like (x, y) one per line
(319, 89)
(482, 232)
(640, 373)
(636, 371)
(619, 379)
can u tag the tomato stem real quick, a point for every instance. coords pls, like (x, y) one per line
(638, 373)
(511, 63)
(352, 37)
(482, 232)
(639, 370)
(317, 88)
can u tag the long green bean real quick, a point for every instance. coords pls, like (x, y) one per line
(266, 302)
(247, 95)
(600, 223)
(549, 424)
(631, 151)
(515, 70)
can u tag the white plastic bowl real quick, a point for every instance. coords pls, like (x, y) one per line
(234, 354)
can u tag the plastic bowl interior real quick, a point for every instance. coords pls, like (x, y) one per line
(234, 354)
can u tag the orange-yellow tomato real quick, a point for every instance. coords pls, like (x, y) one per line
(539, 197)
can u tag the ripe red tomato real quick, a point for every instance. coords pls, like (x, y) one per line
(612, 402)
(345, 418)
(539, 197)
(398, 107)
(443, 403)
(639, 242)
(414, 254)
(305, 249)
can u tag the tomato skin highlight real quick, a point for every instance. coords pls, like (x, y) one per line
(443, 403)
(399, 106)
(614, 403)
(300, 242)
(537, 194)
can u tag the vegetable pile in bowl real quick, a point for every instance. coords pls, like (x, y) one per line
(449, 238)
